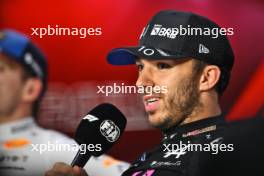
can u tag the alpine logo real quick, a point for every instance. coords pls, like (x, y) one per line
(164, 32)
(203, 49)
(177, 153)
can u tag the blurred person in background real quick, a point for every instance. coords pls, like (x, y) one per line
(23, 82)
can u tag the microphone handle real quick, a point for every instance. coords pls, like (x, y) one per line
(81, 159)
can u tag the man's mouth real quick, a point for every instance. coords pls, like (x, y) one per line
(151, 103)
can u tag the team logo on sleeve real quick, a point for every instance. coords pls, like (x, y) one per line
(16, 143)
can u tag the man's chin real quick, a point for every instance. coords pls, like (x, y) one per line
(160, 123)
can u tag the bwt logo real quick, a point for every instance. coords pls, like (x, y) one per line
(109, 130)
(164, 32)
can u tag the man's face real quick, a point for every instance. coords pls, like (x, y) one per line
(11, 85)
(182, 96)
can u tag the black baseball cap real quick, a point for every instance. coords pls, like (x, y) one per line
(175, 35)
(19, 48)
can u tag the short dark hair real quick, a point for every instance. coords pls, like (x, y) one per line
(223, 81)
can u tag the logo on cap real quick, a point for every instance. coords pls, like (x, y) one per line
(28, 58)
(164, 32)
(203, 49)
(146, 51)
(144, 31)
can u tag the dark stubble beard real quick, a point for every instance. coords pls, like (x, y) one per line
(181, 103)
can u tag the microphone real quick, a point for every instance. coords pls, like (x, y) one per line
(103, 125)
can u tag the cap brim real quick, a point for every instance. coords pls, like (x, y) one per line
(127, 56)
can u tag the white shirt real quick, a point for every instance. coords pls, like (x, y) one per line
(22, 155)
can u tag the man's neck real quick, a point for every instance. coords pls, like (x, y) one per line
(201, 116)
(16, 115)
(209, 107)
(7, 119)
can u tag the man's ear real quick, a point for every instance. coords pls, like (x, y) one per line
(32, 89)
(210, 76)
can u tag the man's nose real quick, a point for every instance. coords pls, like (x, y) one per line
(145, 78)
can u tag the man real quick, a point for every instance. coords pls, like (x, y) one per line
(23, 81)
(195, 67)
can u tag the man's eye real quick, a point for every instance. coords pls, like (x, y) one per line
(163, 66)
(139, 67)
